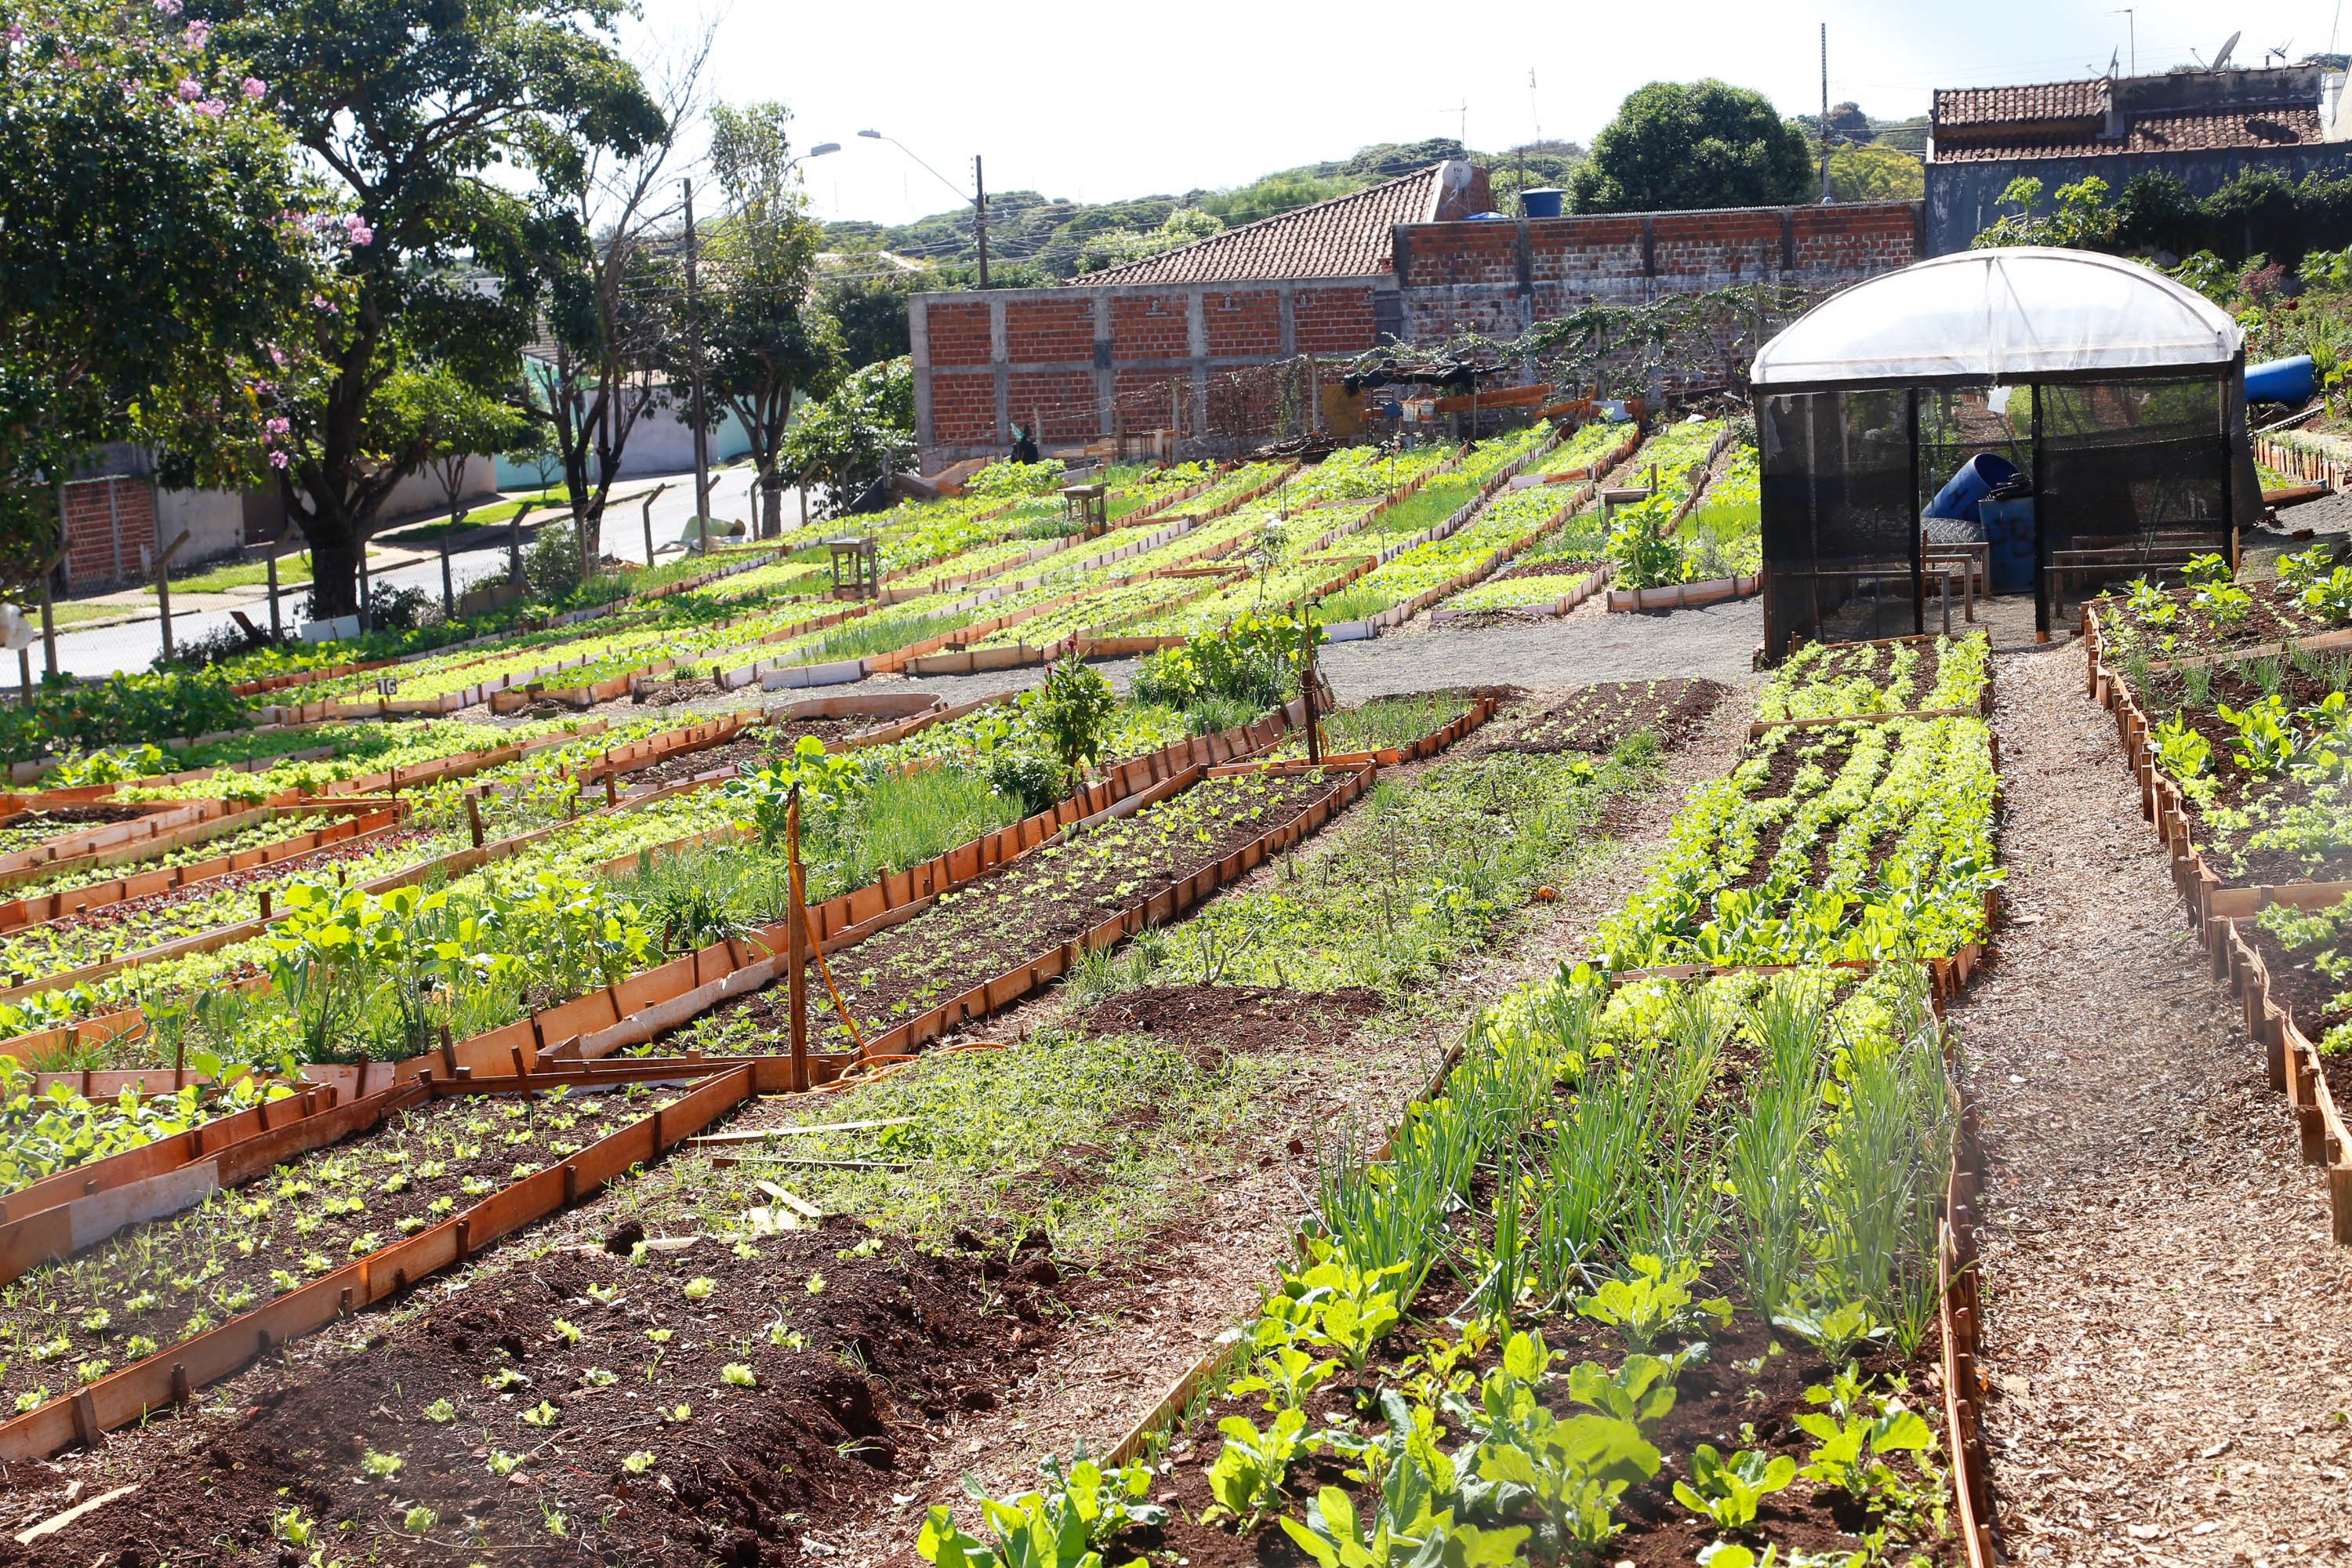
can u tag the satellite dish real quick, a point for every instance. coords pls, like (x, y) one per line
(2222, 60)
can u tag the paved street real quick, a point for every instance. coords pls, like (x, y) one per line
(132, 645)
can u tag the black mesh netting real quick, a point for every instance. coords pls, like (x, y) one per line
(2132, 484)
(1839, 525)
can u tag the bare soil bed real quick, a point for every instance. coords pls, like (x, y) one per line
(875, 1347)
(1597, 717)
(1233, 1017)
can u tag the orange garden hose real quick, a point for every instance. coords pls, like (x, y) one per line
(809, 928)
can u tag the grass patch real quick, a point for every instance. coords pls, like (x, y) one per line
(63, 613)
(1096, 1140)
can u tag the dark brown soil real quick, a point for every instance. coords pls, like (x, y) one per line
(1713, 1401)
(2274, 617)
(1234, 1018)
(890, 1344)
(2240, 790)
(61, 817)
(1042, 900)
(1597, 718)
(1546, 569)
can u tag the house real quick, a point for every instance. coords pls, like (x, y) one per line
(2203, 128)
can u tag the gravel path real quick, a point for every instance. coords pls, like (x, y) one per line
(1164, 1310)
(2169, 1328)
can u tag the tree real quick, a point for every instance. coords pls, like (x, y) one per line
(1680, 145)
(423, 112)
(764, 341)
(870, 312)
(2080, 219)
(1872, 173)
(1117, 246)
(126, 124)
(863, 430)
(614, 315)
(450, 423)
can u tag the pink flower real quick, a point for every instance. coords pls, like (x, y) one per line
(199, 32)
(16, 32)
(277, 459)
(213, 107)
(278, 358)
(191, 88)
(255, 87)
(168, 8)
(359, 231)
(279, 426)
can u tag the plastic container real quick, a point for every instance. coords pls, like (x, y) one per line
(2282, 381)
(1972, 483)
(2009, 529)
(1544, 201)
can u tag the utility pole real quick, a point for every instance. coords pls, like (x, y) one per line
(694, 363)
(979, 218)
(2131, 32)
(1825, 112)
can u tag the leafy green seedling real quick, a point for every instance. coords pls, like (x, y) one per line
(1728, 1491)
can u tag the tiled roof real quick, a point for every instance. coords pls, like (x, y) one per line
(2037, 103)
(1347, 237)
(2159, 134)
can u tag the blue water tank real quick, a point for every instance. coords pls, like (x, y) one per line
(1975, 480)
(2282, 381)
(1544, 201)
(2009, 529)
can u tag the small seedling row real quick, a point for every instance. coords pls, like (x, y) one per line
(2296, 1067)
(1600, 716)
(276, 1296)
(256, 839)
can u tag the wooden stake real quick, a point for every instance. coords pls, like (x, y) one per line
(474, 816)
(798, 956)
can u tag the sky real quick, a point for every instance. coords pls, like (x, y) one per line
(1098, 101)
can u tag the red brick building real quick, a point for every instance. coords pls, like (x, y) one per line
(1405, 259)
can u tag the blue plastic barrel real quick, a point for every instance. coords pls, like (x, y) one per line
(1544, 201)
(2282, 381)
(2009, 529)
(1975, 480)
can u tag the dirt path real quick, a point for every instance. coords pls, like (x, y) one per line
(1155, 1315)
(2169, 1330)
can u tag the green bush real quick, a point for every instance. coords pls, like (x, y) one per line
(68, 715)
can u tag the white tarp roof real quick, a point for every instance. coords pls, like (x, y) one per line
(2010, 314)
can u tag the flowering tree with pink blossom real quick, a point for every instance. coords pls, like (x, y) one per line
(419, 114)
(153, 246)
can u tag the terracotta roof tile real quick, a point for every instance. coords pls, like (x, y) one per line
(1347, 237)
(2035, 103)
(2297, 127)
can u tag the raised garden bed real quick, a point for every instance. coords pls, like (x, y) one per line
(1602, 718)
(408, 1185)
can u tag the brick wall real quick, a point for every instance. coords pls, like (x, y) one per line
(109, 528)
(1067, 354)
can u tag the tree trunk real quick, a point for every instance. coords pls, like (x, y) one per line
(334, 569)
(772, 520)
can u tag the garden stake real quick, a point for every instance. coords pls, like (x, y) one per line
(798, 958)
(474, 816)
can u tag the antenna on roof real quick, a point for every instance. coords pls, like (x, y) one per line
(2115, 58)
(2222, 60)
(2278, 54)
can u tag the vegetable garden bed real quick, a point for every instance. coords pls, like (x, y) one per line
(285, 1283)
(1602, 717)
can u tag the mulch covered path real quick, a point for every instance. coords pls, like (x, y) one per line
(2169, 1328)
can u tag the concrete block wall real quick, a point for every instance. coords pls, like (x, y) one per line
(1503, 278)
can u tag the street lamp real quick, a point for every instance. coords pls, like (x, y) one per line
(979, 199)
